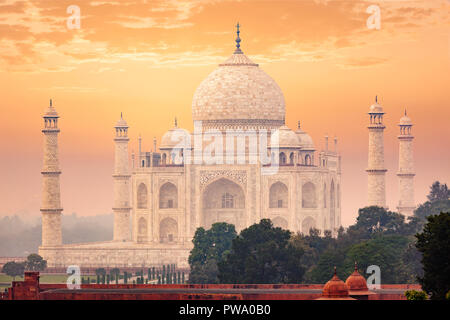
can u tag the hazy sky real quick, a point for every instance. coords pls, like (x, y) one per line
(146, 58)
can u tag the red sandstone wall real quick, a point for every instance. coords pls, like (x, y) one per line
(31, 289)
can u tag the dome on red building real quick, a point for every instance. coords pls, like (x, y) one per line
(335, 289)
(357, 284)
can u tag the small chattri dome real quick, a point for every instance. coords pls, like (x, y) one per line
(177, 138)
(306, 142)
(376, 107)
(287, 138)
(405, 120)
(335, 289)
(51, 112)
(357, 284)
(121, 122)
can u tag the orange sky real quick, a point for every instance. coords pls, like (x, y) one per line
(146, 58)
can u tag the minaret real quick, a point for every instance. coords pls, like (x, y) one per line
(121, 177)
(51, 199)
(405, 168)
(376, 171)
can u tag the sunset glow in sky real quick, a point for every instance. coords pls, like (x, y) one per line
(146, 58)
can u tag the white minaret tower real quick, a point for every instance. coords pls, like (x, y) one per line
(376, 171)
(405, 168)
(121, 177)
(51, 199)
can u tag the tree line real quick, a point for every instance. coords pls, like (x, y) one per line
(407, 250)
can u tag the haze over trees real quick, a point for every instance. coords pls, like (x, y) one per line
(18, 238)
(13, 269)
(34, 262)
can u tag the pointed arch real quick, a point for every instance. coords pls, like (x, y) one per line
(168, 230)
(309, 195)
(308, 161)
(142, 230)
(142, 196)
(223, 200)
(280, 223)
(307, 224)
(168, 196)
(278, 195)
(282, 158)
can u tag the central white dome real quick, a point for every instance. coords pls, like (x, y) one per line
(239, 90)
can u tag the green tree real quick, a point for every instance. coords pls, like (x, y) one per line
(438, 192)
(431, 208)
(209, 249)
(313, 246)
(438, 201)
(332, 257)
(100, 271)
(13, 269)
(375, 220)
(262, 254)
(415, 295)
(434, 244)
(385, 252)
(204, 273)
(115, 272)
(35, 262)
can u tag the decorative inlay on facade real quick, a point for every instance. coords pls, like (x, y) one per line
(239, 176)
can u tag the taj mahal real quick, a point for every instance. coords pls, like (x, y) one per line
(163, 195)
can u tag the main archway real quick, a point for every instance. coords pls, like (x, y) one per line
(223, 201)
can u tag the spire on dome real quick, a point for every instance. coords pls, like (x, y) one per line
(298, 124)
(176, 123)
(376, 99)
(51, 104)
(238, 40)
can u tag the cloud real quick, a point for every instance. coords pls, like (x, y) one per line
(363, 62)
(132, 30)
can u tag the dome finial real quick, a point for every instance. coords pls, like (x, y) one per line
(356, 266)
(51, 103)
(405, 111)
(376, 99)
(334, 270)
(298, 124)
(176, 123)
(238, 40)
